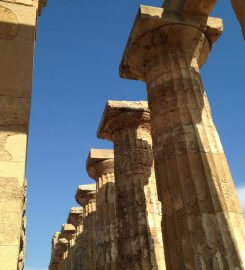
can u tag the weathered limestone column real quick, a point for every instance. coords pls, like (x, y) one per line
(75, 253)
(86, 197)
(68, 232)
(17, 37)
(202, 219)
(239, 8)
(100, 167)
(59, 247)
(22, 248)
(53, 264)
(140, 245)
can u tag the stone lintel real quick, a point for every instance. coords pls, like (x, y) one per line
(85, 194)
(95, 159)
(194, 7)
(150, 19)
(122, 114)
(75, 216)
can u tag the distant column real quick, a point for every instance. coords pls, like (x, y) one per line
(203, 224)
(75, 218)
(100, 166)
(86, 197)
(18, 21)
(140, 245)
(54, 261)
(68, 232)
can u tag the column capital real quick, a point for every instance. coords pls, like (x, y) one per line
(99, 162)
(61, 247)
(67, 231)
(156, 31)
(86, 194)
(193, 7)
(121, 115)
(75, 216)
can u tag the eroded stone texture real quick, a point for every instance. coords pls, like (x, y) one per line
(22, 248)
(86, 197)
(239, 8)
(200, 7)
(66, 255)
(138, 210)
(59, 247)
(100, 166)
(204, 8)
(17, 37)
(75, 252)
(202, 219)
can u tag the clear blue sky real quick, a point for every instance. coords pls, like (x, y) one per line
(78, 51)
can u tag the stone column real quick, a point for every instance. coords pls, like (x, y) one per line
(202, 218)
(53, 264)
(59, 247)
(76, 219)
(100, 167)
(68, 232)
(86, 197)
(239, 8)
(17, 37)
(140, 246)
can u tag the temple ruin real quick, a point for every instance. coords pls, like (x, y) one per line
(163, 197)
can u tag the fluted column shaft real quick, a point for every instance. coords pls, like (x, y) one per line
(195, 185)
(100, 166)
(89, 237)
(138, 210)
(86, 197)
(202, 219)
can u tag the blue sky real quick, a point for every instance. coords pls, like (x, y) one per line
(78, 51)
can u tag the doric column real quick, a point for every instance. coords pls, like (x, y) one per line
(202, 219)
(53, 264)
(59, 247)
(75, 218)
(86, 197)
(140, 246)
(17, 37)
(68, 232)
(100, 167)
(75, 252)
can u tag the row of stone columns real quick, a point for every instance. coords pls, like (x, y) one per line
(121, 224)
(201, 224)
